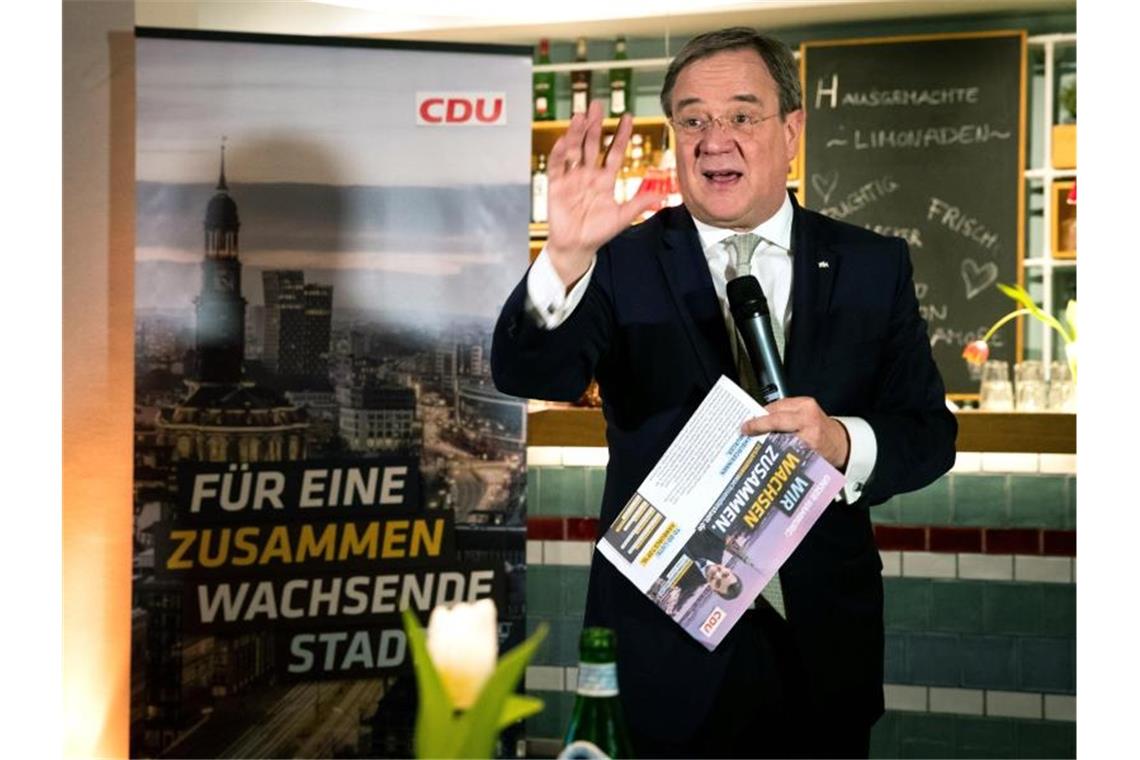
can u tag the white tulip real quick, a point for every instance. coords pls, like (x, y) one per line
(463, 642)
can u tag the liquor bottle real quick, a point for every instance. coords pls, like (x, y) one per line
(669, 166)
(655, 179)
(636, 171)
(543, 85)
(539, 189)
(597, 716)
(619, 180)
(621, 83)
(580, 81)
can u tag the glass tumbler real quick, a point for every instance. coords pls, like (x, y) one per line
(1029, 384)
(996, 390)
(1062, 395)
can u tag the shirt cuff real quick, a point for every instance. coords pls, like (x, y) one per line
(861, 456)
(546, 297)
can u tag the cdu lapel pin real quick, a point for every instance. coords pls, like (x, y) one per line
(825, 265)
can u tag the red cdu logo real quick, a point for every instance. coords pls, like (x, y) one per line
(466, 109)
(712, 622)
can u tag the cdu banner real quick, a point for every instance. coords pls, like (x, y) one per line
(326, 230)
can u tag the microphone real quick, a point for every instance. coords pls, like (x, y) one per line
(750, 313)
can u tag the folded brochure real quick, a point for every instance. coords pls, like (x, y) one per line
(718, 515)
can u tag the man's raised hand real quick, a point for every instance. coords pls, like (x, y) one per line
(583, 212)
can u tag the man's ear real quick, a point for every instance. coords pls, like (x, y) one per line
(793, 126)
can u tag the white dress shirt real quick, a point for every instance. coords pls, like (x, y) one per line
(550, 303)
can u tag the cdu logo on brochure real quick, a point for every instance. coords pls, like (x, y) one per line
(461, 109)
(712, 622)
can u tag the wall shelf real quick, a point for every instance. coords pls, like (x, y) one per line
(1063, 231)
(1045, 433)
(606, 65)
(1058, 157)
(608, 125)
(545, 133)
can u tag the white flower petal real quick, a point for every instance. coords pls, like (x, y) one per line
(463, 643)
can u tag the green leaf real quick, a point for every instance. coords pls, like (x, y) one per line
(1018, 293)
(517, 708)
(480, 725)
(437, 733)
(1071, 318)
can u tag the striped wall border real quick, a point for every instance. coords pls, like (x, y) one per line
(1044, 542)
(960, 566)
(935, 538)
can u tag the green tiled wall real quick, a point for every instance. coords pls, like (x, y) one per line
(1036, 501)
(955, 606)
(979, 500)
(1012, 608)
(980, 635)
(595, 485)
(1059, 610)
(987, 501)
(903, 734)
(565, 491)
(561, 491)
(1001, 607)
(991, 662)
(981, 737)
(927, 506)
(556, 595)
(560, 647)
(552, 722)
(1006, 663)
(969, 500)
(933, 659)
(1048, 665)
(1004, 635)
(906, 605)
(554, 590)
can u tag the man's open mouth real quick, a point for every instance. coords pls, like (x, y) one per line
(723, 177)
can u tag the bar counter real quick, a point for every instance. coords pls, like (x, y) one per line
(1042, 433)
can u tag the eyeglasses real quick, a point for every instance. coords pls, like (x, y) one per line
(741, 123)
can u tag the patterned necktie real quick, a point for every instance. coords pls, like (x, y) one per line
(742, 247)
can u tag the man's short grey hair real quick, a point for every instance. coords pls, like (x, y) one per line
(775, 54)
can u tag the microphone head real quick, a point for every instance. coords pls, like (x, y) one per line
(746, 297)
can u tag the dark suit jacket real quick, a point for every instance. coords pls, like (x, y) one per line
(650, 329)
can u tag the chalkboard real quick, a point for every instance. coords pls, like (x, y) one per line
(922, 138)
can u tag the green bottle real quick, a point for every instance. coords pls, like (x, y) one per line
(580, 80)
(597, 717)
(621, 83)
(543, 85)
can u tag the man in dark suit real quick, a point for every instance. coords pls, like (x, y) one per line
(643, 310)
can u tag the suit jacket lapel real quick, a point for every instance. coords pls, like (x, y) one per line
(691, 288)
(814, 269)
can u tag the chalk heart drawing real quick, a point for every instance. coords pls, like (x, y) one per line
(978, 278)
(824, 184)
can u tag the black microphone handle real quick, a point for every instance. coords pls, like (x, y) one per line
(756, 334)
